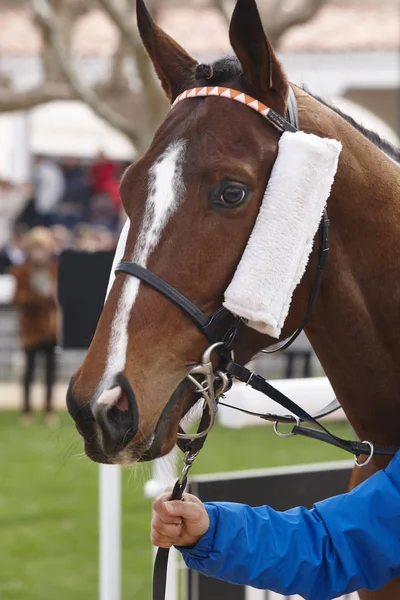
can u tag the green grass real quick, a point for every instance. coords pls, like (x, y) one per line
(48, 505)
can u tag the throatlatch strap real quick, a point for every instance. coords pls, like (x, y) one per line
(322, 434)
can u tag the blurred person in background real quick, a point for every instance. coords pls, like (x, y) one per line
(48, 189)
(105, 203)
(84, 238)
(13, 252)
(61, 238)
(35, 298)
(74, 206)
(13, 200)
(101, 172)
(104, 239)
(103, 211)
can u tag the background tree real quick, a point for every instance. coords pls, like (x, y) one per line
(135, 110)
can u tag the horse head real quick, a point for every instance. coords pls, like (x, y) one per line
(192, 201)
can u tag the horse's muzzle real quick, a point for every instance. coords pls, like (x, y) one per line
(112, 418)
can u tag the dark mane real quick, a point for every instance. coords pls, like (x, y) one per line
(228, 68)
(372, 136)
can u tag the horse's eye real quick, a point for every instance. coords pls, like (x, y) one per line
(232, 195)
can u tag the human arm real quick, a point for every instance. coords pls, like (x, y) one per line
(343, 544)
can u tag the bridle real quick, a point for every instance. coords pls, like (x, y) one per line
(222, 327)
(221, 330)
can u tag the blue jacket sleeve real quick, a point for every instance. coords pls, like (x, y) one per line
(343, 544)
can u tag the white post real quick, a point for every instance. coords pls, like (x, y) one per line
(164, 475)
(110, 497)
(15, 148)
(110, 532)
(21, 156)
(256, 594)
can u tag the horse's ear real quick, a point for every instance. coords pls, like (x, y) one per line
(261, 68)
(172, 63)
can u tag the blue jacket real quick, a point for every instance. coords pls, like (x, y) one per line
(343, 544)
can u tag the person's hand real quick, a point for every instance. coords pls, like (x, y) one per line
(177, 522)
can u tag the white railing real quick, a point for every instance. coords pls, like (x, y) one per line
(312, 394)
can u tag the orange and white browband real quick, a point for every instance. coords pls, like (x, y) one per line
(276, 120)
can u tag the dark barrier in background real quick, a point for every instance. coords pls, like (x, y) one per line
(279, 488)
(82, 286)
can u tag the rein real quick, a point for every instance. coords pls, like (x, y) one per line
(221, 330)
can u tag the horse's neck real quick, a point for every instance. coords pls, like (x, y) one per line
(355, 330)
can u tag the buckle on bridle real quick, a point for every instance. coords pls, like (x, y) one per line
(250, 377)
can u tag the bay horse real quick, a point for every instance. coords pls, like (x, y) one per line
(192, 201)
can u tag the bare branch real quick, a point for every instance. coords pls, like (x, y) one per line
(70, 12)
(117, 71)
(131, 35)
(116, 82)
(47, 92)
(278, 16)
(222, 8)
(121, 20)
(155, 99)
(48, 22)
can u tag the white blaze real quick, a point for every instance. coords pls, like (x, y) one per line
(166, 190)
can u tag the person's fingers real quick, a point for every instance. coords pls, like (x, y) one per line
(173, 530)
(166, 517)
(160, 506)
(191, 512)
(166, 496)
(160, 541)
(157, 536)
(192, 498)
(179, 521)
(162, 499)
(162, 513)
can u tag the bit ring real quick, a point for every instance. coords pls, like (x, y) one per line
(286, 435)
(370, 457)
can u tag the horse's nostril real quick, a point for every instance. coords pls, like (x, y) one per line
(109, 397)
(122, 403)
(116, 413)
